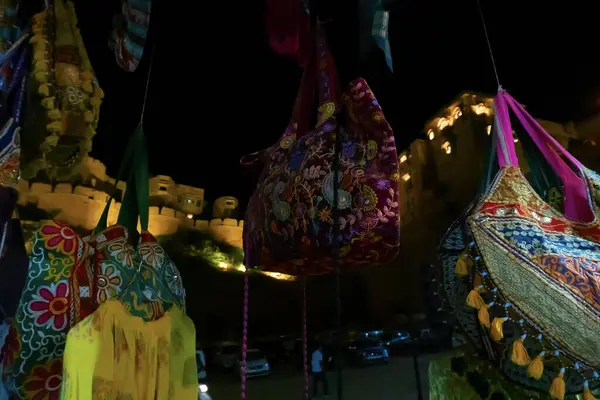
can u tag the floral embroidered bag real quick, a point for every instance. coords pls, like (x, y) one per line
(536, 290)
(70, 276)
(289, 221)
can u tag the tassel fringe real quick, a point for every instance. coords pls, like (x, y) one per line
(587, 393)
(484, 315)
(536, 368)
(519, 354)
(496, 331)
(557, 389)
(475, 300)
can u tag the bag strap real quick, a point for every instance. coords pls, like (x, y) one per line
(136, 202)
(127, 163)
(328, 83)
(577, 206)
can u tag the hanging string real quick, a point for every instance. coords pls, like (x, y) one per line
(147, 83)
(305, 338)
(489, 44)
(336, 259)
(245, 337)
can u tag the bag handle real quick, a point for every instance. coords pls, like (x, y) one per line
(127, 162)
(577, 206)
(137, 195)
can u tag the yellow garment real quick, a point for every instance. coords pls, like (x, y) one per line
(112, 354)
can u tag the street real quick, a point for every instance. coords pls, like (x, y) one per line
(394, 381)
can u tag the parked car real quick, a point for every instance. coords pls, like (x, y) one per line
(366, 351)
(225, 355)
(396, 340)
(278, 349)
(256, 363)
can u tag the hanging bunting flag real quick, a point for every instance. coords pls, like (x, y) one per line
(374, 20)
(130, 33)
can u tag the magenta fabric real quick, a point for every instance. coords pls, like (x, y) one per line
(288, 28)
(576, 202)
(288, 227)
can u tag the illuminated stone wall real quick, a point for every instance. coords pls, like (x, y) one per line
(441, 171)
(82, 205)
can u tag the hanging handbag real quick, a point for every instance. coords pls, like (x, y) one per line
(63, 103)
(536, 291)
(289, 226)
(70, 276)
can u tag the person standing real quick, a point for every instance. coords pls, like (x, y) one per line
(318, 372)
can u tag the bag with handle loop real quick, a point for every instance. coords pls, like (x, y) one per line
(289, 223)
(536, 285)
(70, 276)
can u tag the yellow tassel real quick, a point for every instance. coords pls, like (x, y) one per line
(41, 77)
(519, 352)
(496, 331)
(477, 281)
(474, 300)
(54, 115)
(86, 86)
(44, 90)
(36, 38)
(48, 103)
(484, 315)
(49, 143)
(55, 127)
(38, 29)
(88, 117)
(39, 17)
(99, 93)
(557, 389)
(86, 76)
(587, 393)
(95, 102)
(461, 268)
(536, 368)
(39, 55)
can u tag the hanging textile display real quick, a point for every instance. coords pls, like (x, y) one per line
(130, 33)
(374, 22)
(534, 287)
(288, 28)
(83, 274)
(289, 223)
(64, 101)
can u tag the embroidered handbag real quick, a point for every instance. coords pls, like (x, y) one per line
(63, 103)
(537, 282)
(289, 222)
(70, 276)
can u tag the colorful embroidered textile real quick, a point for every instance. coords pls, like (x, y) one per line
(289, 222)
(130, 33)
(69, 277)
(4, 326)
(374, 29)
(64, 96)
(539, 292)
(112, 354)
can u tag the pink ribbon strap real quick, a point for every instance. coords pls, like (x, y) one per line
(577, 205)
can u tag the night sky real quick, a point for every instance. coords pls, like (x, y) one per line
(218, 92)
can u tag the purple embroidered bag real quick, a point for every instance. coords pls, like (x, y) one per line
(289, 221)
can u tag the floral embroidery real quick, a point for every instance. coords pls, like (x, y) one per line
(44, 381)
(102, 389)
(60, 237)
(108, 281)
(289, 222)
(49, 306)
(152, 254)
(122, 252)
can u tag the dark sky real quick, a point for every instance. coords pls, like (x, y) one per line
(218, 92)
